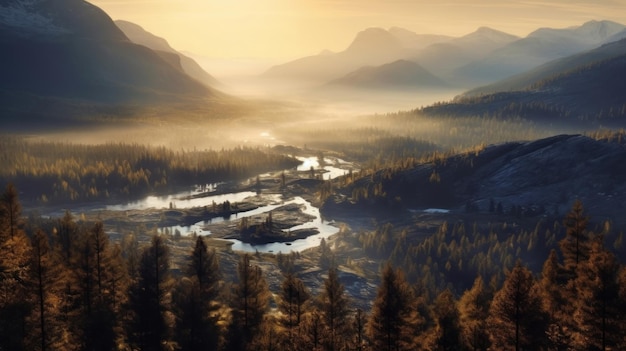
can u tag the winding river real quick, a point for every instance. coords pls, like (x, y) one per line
(186, 200)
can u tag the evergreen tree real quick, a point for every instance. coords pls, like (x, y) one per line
(334, 310)
(194, 301)
(66, 237)
(448, 332)
(575, 246)
(326, 255)
(555, 302)
(359, 331)
(149, 298)
(204, 266)
(390, 325)
(250, 302)
(10, 212)
(15, 253)
(598, 309)
(104, 270)
(47, 332)
(293, 296)
(312, 332)
(474, 310)
(517, 320)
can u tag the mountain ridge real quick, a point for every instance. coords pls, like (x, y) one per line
(527, 174)
(139, 35)
(85, 63)
(400, 74)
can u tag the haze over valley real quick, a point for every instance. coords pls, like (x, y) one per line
(312, 175)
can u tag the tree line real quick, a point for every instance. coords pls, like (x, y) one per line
(64, 172)
(65, 286)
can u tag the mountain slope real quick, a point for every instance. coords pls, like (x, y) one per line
(444, 57)
(69, 52)
(140, 36)
(557, 67)
(399, 74)
(371, 47)
(587, 88)
(541, 46)
(412, 40)
(544, 174)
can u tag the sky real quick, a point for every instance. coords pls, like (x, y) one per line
(286, 29)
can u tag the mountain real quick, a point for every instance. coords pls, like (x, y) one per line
(399, 74)
(442, 58)
(539, 176)
(69, 52)
(371, 47)
(140, 36)
(412, 40)
(583, 88)
(376, 46)
(538, 47)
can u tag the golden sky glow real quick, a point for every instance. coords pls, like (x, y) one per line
(293, 28)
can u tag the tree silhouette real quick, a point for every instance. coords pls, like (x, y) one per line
(10, 212)
(517, 319)
(448, 331)
(194, 301)
(249, 303)
(15, 271)
(293, 296)
(390, 325)
(474, 310)
(149, 298)
(575, 246)
(599, 312)
(334, 310)
(45, 278)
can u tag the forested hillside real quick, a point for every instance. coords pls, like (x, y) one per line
(63, 172)
(66, 286)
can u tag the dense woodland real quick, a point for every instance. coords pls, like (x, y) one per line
(64, 172)
(65, 286)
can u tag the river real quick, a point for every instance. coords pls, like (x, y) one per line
(186, 199)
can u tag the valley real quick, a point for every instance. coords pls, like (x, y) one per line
(399, 192)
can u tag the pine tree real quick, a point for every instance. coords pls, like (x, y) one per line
(107, 276)
(47, 332)
(448, 331)
(389, 327)
(359, 322)
(553, 285)
(250, 302)
(312, 332)
(194, 301)
(10, 212)
(149, 298)
(474, 310)
(293, 296)
(326, 255)
(334, 310)
(598, 309)
(575, 246)
(66, 238)
(517, 320)
(15, 265)
(205, 268)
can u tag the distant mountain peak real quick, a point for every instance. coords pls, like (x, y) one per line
(374, 38)
(491, 34)
(591, 30)
(600, 29)
(397, 74)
